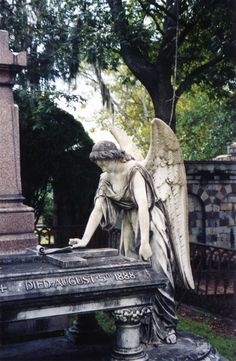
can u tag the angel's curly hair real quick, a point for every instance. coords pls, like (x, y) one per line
(106, 150)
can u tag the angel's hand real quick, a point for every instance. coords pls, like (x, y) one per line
(77, 243)
(145, 251)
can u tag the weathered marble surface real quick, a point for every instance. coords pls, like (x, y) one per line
(40, 289)
(31, 287)
(72, 259)
(188, 347)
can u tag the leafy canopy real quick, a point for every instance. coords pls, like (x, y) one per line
(54, 152)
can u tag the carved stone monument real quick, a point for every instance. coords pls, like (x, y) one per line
(36, 286)
(16, 219)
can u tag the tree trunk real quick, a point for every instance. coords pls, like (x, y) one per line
(162, 94)
(164, 107)
(155, 76)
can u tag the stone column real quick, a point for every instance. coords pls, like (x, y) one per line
(127, 346)
(16, 219)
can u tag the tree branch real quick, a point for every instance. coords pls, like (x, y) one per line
(188, 27)
(134, 59)
(148, 12)
(195, 74)
(162, 9)
(170, 25)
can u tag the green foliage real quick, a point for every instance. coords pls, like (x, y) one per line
(144, 33)
(106, 322)
(47, 212)
(54, 146)
(207, 35)
(59, 35)
(205, 124)
(54, 151)
(132, 108)
(47, 30)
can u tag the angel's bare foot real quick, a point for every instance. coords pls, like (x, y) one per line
(171, 337)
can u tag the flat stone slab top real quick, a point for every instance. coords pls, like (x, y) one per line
(75, 258)
(33, 286)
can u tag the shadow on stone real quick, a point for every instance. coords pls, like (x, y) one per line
(188, 348)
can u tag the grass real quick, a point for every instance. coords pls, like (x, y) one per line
(225, 344)
(106, 322)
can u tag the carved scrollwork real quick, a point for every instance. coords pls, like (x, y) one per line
(131, 315)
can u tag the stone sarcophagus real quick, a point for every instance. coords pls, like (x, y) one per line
(33, 287)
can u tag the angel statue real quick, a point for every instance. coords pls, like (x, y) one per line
(151, 193)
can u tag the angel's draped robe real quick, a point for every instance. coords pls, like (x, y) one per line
(123, 203)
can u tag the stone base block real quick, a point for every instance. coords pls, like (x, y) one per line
(188, 347)
(17, 243)
(16, 218)
(16, 227)
(58, 348)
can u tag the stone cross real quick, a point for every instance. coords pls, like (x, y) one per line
(8, 58)
(16, 219)
(3, 288)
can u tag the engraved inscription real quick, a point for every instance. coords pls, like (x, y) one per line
(123, 276)
(3, 288)
(58, 282)
(77, 280)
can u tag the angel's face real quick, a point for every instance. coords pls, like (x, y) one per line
(108, 165)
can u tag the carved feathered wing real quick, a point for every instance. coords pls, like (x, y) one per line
(164, 162)
(125, 142)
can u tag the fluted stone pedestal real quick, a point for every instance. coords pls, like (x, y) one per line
(16, 219)
(127, 344)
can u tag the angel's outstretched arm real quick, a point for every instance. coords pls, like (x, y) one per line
(93, 222)
(143, 215)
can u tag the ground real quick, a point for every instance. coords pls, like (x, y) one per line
(224, 326)
(219, 331)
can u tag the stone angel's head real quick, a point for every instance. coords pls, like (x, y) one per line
(105, 153)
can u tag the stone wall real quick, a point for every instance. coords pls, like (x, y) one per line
(212, 202)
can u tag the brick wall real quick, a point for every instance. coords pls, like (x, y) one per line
(212, 202)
